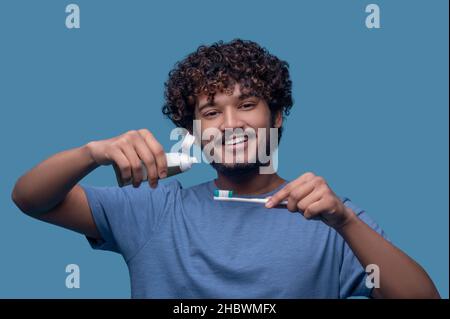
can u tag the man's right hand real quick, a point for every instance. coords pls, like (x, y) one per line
(50, 190)
(127, 152)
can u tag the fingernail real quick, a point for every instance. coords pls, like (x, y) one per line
(269, 204)
(163, 174)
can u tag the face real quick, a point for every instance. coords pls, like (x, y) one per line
(233, 114)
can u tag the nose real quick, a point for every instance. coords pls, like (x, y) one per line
(231, 119)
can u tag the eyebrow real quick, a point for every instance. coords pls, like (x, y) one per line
(240, 97)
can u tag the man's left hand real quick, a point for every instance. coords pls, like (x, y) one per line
(310, 195)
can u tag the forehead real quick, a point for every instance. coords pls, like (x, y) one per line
(221, 98)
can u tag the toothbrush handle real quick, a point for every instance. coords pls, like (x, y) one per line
(247, 200)
(284, 202)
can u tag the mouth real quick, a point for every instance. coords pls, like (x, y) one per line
(236, 140)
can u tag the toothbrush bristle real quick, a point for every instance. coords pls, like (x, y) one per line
(223, 193)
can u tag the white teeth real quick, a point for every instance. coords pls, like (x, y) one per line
(236, 140)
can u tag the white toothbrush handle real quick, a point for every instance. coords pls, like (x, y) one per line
(246, 200)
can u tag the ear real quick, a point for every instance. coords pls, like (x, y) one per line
(278, 119)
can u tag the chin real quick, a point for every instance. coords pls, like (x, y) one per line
(235, 169)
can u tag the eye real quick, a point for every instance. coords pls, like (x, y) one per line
(210, 114)
(247, 106)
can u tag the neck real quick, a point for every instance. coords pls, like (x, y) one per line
(251, 183)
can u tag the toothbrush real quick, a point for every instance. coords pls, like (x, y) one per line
(227, 196)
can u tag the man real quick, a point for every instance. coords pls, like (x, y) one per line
(180, 243)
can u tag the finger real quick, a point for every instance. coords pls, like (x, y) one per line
(298, 194)
(291, 204)
(285, 191)
(135, 162)
(316, 209)
(146, 156)
(308, 200)
(279, 196)
(157, 150)
(306, 177)
(122, 167)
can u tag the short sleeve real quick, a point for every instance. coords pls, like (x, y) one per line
(352, 277)
(127, 217)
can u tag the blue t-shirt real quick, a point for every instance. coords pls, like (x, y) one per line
(180, 243)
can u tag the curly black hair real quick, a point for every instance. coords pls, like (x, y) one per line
(217, 68)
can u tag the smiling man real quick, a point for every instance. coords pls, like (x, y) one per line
(180, 243)
(244, 137)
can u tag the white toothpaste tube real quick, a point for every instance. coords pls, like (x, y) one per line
(176, 162)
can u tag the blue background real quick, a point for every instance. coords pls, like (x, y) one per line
(370, 114)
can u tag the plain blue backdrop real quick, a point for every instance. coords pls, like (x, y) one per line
(370, 114)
